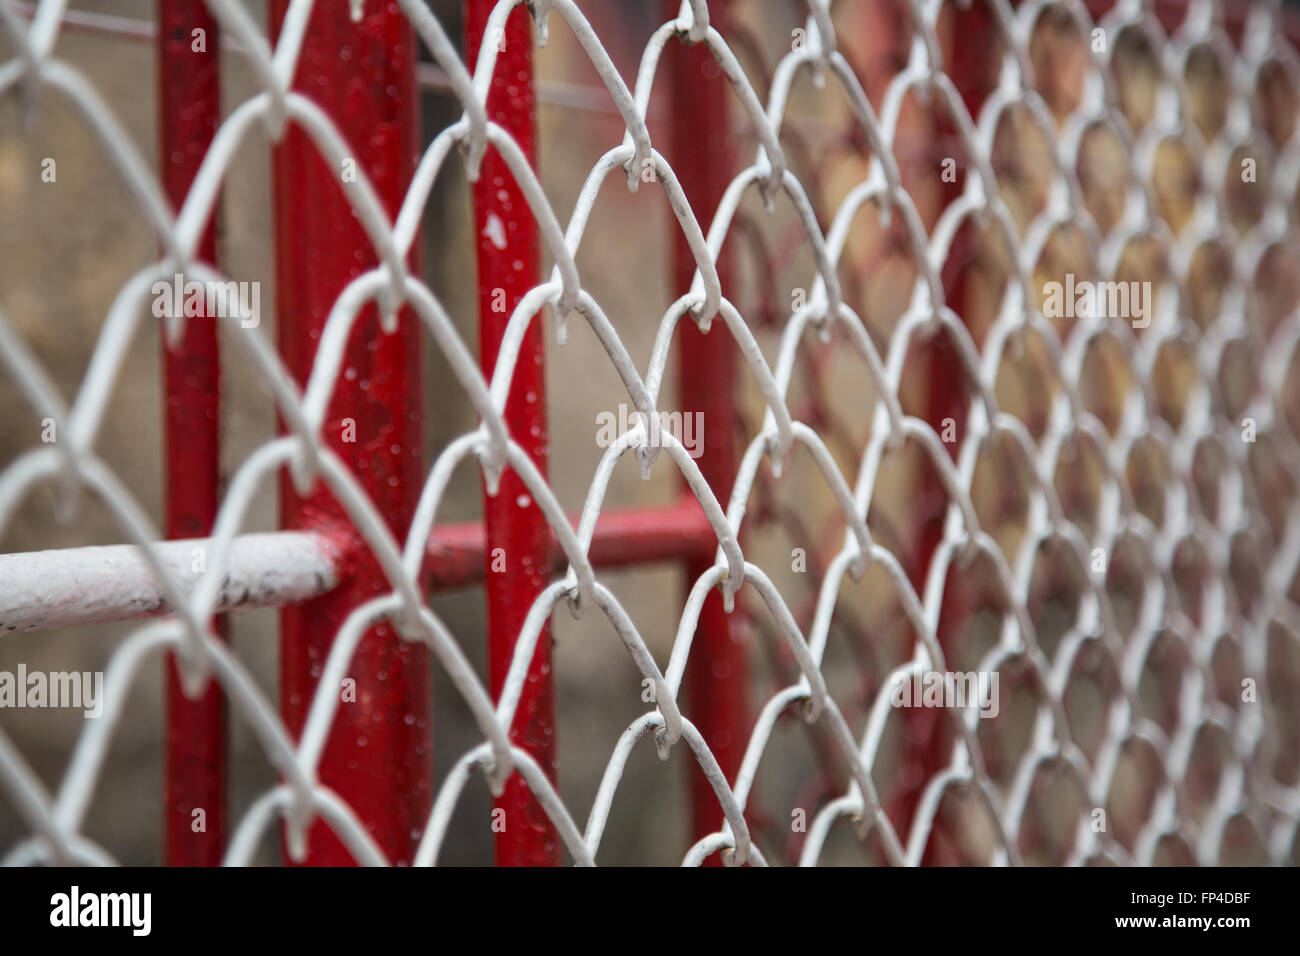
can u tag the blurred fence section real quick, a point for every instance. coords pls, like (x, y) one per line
(873, 426)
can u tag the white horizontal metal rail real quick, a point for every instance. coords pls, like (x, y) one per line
(72, 586)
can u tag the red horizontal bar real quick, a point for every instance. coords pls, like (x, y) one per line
(456, 552)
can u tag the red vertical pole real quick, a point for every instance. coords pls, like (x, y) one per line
(195, 757)
(702, 157)
(517, 556)
(378, 756)
(969, 56)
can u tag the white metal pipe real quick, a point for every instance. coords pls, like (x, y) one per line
(63, 588)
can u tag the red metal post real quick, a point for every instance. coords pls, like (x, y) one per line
(702, 156)
(517, 555)
(194, 805)
(379, 753)
(970, 53)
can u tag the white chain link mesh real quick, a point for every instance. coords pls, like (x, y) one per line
(1247, 505)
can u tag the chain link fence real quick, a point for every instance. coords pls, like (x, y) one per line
(1008, 558)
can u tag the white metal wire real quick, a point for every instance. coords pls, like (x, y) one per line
(1249, 793)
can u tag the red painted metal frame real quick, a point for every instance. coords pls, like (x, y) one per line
(379, 753)
(517, 552)
(702, 151)
(457, 554)
(195, 753)
(971, 55)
